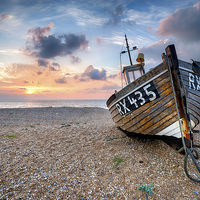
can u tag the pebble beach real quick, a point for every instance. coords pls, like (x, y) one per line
(79, 153)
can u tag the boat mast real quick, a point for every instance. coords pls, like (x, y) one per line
(128, 50)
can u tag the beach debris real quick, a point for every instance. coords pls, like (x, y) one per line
(112, 138)
(118, 160)
(146, 188)
(196, 192)
(11, 136)
(26, 129)
(65, 125)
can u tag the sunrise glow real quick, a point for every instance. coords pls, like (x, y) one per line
(29, 92)
(71, 49)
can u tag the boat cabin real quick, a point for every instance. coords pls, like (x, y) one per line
(132, 72)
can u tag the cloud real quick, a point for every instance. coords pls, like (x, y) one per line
(61, 80)
(83, 16)
(43, 63)
(142, 18)
(110, 87)
(39, 73)
(92, 90)
(183, 24)
(55, 64)
(46, 63)
(82, 79)
(150, 29)
(25, 81)
(42, 46)
(76, 77)
(112, 76)
(40, 32)
(98, 40)
(94, 74)
(16, 70)
(51, 68)
(131, 23)
(3, 16)
(22, 88)
(106, 88)
(115, 16)
(75, 59)
(154, 51)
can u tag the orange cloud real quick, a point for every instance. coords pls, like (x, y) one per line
(40, 82)
(3, 16)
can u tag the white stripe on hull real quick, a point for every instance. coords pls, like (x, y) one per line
(173, 130)
(185, 69)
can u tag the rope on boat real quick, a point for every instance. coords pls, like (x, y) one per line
(194, 157)
(179, 150)
(188, 152)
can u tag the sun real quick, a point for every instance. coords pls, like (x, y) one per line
(29, 92)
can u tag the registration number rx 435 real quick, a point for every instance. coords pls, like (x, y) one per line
(137, 98)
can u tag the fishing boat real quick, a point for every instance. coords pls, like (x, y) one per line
(163, 103)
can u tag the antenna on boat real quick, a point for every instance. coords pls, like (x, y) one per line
(128, 50)
(122, 52)
(121, 70)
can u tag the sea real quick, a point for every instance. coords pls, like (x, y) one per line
(53, 103)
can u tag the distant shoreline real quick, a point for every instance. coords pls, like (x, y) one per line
(52, 103)
(56, 107)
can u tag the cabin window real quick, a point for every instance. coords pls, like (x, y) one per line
(137, 73)
(131, 76)
(133, 72)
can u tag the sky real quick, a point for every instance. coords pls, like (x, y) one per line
(70, 49)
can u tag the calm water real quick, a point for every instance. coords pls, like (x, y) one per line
(52, 103)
